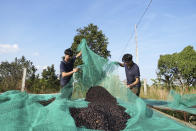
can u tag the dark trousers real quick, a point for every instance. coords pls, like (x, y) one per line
(136, 90)
(66, 91)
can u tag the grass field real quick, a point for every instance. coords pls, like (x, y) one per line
(159, 93)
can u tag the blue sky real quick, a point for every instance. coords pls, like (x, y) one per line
(42, 29)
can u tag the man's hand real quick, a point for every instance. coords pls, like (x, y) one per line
(121, 64)
(75, 70)
(65, 74)
(79, 54)
(129, 86)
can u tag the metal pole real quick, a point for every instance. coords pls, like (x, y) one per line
(137, 60)
(145, 87)
(23, 79)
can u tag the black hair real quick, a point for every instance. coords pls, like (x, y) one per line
(68, 52)
(127, 58)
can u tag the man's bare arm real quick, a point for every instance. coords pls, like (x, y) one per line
(134, 83)
(64, 74)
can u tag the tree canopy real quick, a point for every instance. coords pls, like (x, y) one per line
(11, 74)
(95, 38)
(178, 68)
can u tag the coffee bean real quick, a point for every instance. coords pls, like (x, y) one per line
(102, 113)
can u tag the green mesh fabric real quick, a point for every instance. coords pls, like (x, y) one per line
(176, 101)
(182, 102)
(21, 111)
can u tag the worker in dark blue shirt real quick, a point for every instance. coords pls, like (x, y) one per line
(67, 66)
(132, 74)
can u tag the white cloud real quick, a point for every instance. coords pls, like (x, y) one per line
(8, 48)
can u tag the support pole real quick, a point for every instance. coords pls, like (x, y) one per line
(23, 79)
(137, 60)
(145, 87)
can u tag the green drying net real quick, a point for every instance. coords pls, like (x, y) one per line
(20, 111)
(185, 102)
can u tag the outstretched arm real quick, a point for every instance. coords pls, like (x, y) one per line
(121, 64)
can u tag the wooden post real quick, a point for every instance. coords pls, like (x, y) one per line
(137, 60)
(145, 87)
(23, 79)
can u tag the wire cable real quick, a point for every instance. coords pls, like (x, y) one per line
(138, 23)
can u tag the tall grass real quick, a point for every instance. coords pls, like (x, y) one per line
(160, 93)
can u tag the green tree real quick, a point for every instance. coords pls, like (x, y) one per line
(49, 81)
(187, 66)
(178, 68)
(166, 70)
(11, 73)
(95, 38)
(33, 84)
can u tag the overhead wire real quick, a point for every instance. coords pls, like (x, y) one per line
(137, 25)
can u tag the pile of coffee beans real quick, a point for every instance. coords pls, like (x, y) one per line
(102, 113)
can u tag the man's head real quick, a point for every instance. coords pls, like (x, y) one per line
(127, 59)
(68, 53)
